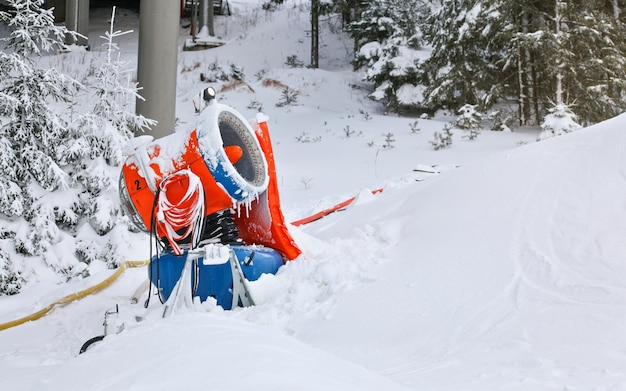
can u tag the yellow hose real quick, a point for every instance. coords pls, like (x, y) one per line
(75, 296)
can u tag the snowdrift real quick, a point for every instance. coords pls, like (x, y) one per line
(507, 273)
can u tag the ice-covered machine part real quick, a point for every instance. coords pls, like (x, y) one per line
(222, 151)
(226, 163)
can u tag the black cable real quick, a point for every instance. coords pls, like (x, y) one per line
(154, 234)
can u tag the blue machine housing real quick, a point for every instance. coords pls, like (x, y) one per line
(212, 280)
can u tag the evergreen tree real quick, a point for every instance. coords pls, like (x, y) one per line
(524, 23)
(58, 185)
(469, 119)
(105, 131)
(465, 64)
(33, 137)
(566, 53)
(560, 120)
(594, 82)
(389, 40)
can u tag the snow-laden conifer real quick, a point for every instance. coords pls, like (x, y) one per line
(33, 136)
(58, 184)
(560, 120)
(388, 42)
(465, 63)
(469, 119)
(106, 130)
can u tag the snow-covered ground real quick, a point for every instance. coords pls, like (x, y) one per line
(504, 271)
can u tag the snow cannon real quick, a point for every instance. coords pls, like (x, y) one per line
(209, 196)
(222, 152)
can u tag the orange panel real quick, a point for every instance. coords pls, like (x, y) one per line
(264, 223)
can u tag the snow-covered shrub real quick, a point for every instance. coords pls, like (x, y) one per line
(11, 278)
(442, 140)
(501, 120)
(236, 72)
(347, 131)
(469, 119)
(218, 72)
(255, 105)
(270, 5)
(116, 93)
(304, 137)
(560, 120)
(289, 97)
(389, 140)
(294, 62)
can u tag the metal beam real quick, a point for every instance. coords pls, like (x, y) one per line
(157, 62)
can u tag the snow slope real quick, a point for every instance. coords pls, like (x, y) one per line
(502, 272)
(505, 274)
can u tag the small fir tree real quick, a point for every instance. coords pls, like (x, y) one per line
(289, 97)
(560, 120)
(469, 119)
(443, 139)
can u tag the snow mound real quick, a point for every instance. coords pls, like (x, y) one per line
(508, 272)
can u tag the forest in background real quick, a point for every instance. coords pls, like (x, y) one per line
(520, 61)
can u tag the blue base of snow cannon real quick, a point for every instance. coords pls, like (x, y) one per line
(213, 280)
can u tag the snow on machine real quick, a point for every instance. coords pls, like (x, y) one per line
(209, 198)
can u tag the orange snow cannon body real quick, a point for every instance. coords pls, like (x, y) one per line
(143, 196)
(231, 161)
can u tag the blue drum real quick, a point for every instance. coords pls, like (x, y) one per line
(212, 280)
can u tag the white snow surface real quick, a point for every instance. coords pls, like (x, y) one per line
(503, 269)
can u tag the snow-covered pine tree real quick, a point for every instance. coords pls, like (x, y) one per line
(594, 39)
(58, 184)
(465, 66)
(33, 137)
(559, 69)
(522, 55)
(469, 119)
(560, 120)
(388, 42)
(106, 130)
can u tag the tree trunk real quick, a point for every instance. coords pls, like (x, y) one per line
(559, 74)
(522, 90)
(315, 33)
(531, 97)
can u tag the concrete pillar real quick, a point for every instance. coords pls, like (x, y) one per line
(157, 62)
(204, 14)
(77, 19)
